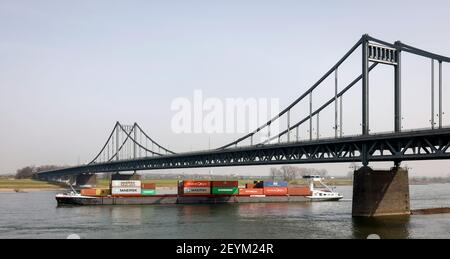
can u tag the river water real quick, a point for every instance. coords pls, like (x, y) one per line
(35, 215)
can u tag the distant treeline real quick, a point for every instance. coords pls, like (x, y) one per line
(29, 171)
(290, 173)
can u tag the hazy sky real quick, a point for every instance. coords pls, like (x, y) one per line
(70, 69)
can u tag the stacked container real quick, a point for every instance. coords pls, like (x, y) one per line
(299, 191)
(224, 187)
(95, 192)
(275, 184)
(105, 192)
(148, 189)
(275, 188)
(88, 192)
(251, 191)
(194, 188)
(126, 188)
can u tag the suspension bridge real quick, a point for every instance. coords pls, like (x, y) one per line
(129, 148)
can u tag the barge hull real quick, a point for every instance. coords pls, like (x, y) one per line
(169, 199)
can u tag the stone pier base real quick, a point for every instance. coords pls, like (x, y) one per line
(380, 192)
(86, 180)
(125, 177)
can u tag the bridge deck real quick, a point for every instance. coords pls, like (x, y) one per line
(396, 147)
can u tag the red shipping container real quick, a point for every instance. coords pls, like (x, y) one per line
(250, 185)
(196, 184)
(299, 191)
(251, 192)
(88, 192)
(275, 191)
(148, 186)
(225, 183)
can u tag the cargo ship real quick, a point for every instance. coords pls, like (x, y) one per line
(326, 193)
(126, 192)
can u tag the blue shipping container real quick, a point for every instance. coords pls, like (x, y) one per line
(275, 184)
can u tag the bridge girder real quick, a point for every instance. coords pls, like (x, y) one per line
(393, 147)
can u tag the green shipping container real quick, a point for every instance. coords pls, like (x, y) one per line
(225, 190)
(148, 192)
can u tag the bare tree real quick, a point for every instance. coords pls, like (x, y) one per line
(289, 173)
(273, 173)
(25, 173)
(29, 171)
(323, 172)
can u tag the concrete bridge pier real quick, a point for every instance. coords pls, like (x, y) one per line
(380, 192)
(86, 180)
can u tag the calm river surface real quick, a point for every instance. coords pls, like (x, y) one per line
(35, 215)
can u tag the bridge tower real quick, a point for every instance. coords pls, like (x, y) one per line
(86, 180)
(380, 192)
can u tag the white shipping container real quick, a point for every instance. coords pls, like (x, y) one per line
(126, 190)
(126, 183)
(197, 190)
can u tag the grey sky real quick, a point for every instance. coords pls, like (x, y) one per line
(70, 69)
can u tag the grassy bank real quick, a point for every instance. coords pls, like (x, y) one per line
(26, 184)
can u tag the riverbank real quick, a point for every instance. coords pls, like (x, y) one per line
(27, 185)
(30, 190)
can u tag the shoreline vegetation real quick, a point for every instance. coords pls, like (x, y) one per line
(27, 185)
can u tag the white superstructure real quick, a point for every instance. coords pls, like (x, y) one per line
(324, 194)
